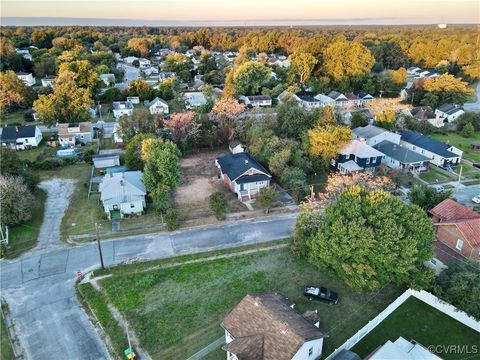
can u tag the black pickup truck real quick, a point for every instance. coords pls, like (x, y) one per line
(321, 293)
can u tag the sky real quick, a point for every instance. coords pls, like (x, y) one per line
(239, 12)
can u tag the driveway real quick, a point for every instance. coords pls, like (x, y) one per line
(39, 289)
(59, 192)
(476, 105)
(465, 194)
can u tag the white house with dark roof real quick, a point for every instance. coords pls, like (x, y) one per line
(75, 133)
(194, 99)
(339, 98)
(374, 135)
(357, 155)
(158, 106)
(243, 174)
(123, 193)
(20, 137)
(48, 81)
(257, 100)
(26, 77)
(121, 108)
(108, 79)
(449, 112)
(266, 326)
(440, 154)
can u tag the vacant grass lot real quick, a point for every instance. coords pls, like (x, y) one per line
(461, 143)
(416, 320)
(176, 311)
(24, 237)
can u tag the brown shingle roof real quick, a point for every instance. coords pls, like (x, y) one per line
(470, 228)
(247, 348)
(449, 210)
(283, 330)
(63, 128)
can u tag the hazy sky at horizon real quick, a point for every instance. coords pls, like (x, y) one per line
(356, 11)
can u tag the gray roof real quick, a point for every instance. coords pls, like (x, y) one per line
(234, 165)
(157, 99)
(12, 133)
(449, 109)
(399, 153)
(427, 143)
(367, 132)
(117, 105)
(122, 187)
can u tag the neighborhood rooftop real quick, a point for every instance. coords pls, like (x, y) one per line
(400, 153)
(235, 165)
(427, 143)
(11, 133)
(367, 132)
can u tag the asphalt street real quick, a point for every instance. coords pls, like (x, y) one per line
(39, 287)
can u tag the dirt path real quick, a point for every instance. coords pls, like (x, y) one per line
(59, 192)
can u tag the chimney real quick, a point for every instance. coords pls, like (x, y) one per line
(16, 129)
(246, 162)
(121, 182)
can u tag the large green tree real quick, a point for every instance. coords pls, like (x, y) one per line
(162, 166)
(249, 77)
(302, 66)
(370, 239)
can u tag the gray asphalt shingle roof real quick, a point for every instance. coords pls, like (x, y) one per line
(427, 143)
(234, 165)
(401, 154)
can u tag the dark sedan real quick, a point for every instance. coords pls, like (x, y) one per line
(321, 293)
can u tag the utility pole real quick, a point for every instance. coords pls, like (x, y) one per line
(99, 247)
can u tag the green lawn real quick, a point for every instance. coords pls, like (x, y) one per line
(176, 311)
(24, 237)
(417, 320)
(468, 171)
(6, 352)
(13, 118)
(461, 143)
(434, 175)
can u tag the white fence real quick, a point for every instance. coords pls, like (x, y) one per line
(426, 297)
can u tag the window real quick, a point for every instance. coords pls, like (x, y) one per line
(368, 161)
(26, 140)
(414, 147)
(310, 351)
(459, 244)
(132, 206)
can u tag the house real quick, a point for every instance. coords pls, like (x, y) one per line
(105, 161)
(338, 97)
(21, 137)
(117, 136)
(353, 99)
(48, 80)
(424, 113)
(266, 327)
(121, 108)
(405, 90)
(449, 112)
(309, 102)
(325, 100)
(413, 70)
(374, 135)
(399, 157)
(440, 154)
(26, 77)
(122, 193)
(365, 98)
(108, 79)
(134, 99)
(236, 147)
(402, 349)
(457, 230)
(257, 101)
(165, 75)
(75, 133)
(130, 59)
(144, 63)
(152, 70)
(158, 106)
(243, 174)
(194, 99)
(286, 95)
(357, 156)
(25, 53)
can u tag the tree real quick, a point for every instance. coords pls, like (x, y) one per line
(293, 120)
(133, 151)
(399, 76)
(139, 46)
(358, 120)
(171, 219)
(86, 76)
(326, 141)
(249, 77)
(184, 129)
(390, 55)
(370, 239)
(218, 204)
(162, 166)
(68, 103)
(469, 117)
(266, 198)
(161, 197)
(142, 89)
(386, 119)
(225, 112)
(344, 59)
(468, 130)
(295, 180)
(448, 88)
(427, 197)
(16, 200)
(141, 121)
(13, 91)
(459, 285)
(302, 66)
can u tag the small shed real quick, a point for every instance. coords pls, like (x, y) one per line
(105, 161)
(475, 146)
(236, 147)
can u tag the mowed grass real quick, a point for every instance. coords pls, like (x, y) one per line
(461, 143)
(6, 352)
(434, 175)
(24, 237)
(176, 311)
(416, 320)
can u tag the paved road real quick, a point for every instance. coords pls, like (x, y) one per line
(40, 291)
(465, 194)
(476, 105)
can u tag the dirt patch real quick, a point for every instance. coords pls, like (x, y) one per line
(199, 178)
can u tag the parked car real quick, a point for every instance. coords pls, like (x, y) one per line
(477, 165)
(321, 293)
(439, 188)
(476, 199)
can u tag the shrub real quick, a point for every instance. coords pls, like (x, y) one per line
(267, 197)
(218, 204)
(171, 219)
(468, 130)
